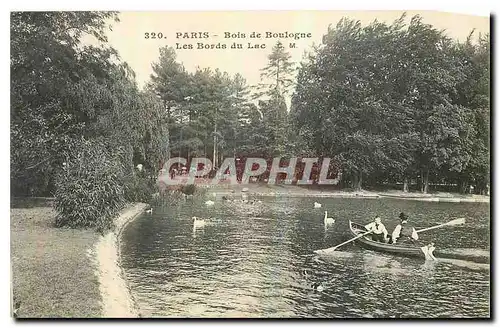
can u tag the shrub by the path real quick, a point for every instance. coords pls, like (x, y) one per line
(89, 190)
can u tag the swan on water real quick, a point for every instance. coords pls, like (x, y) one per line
(198, 222)
(209, 202)
(317, 205)
(328, 220)
(150, 211)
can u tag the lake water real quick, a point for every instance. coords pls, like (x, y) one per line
(250, 261)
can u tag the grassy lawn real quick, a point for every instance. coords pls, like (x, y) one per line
(52, 269)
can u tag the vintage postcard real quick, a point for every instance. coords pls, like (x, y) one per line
(250, 164)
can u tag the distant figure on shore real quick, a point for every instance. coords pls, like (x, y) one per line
(404, 233)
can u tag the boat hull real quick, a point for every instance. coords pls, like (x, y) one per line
(366, 242)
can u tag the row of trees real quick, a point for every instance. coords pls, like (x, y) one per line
(389, 103)
(398, 102)
(213, 114)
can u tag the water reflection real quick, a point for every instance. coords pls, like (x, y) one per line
(258, 261)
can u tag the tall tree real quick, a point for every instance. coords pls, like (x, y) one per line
(340, 102)
(380, 98)
(277, 81)
(473, 93)
(204, 107)
(51, 74)
(171, 83)
(435, 74)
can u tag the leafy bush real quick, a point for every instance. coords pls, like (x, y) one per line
(89, 190)
(138, 188)
(188, 189)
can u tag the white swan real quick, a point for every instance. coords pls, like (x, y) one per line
(197, 222)
(150, 211)
(328, 220)
(317, 205)
(209, 202)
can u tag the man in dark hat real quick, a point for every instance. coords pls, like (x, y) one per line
(404, 232)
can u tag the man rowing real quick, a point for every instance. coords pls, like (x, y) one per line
(379, 232)
(404, 232)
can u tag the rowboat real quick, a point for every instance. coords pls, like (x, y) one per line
(401, 249)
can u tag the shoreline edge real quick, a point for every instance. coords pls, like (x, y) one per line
(117, 300)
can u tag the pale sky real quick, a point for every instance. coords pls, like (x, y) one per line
(128, 36)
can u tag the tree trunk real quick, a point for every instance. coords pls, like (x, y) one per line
(419, 184)
(215, 154)
(463, 186)
(405, 185)
(167, 133)
(358, 180)
(166, 156)
(421, 180)
(426, 181)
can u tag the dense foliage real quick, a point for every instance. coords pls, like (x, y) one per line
(397, 102)
(89, 189)
(68, 98)
(390, 103)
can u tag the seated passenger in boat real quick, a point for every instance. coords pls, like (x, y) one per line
(379, 232)
(404, 232)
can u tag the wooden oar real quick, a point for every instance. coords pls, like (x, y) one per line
(345, 242)
(451, 223)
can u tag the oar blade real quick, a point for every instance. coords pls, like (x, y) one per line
(325, 250)
(456, 222)
(345, 242)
